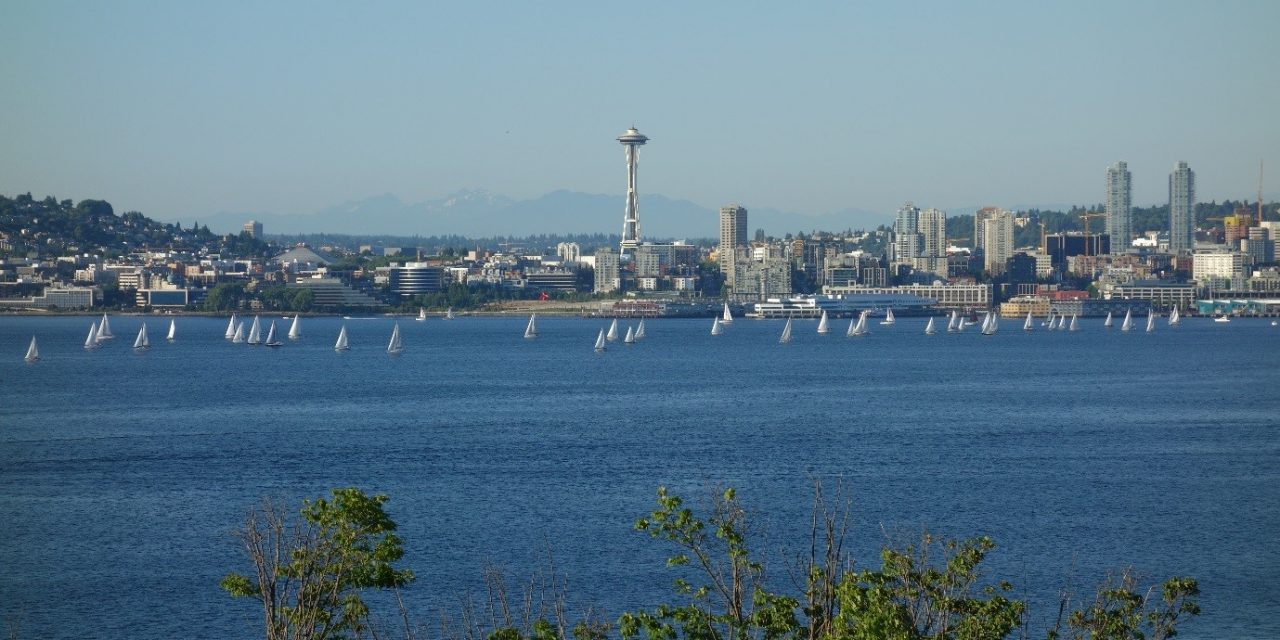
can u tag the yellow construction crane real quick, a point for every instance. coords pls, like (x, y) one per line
(1086, 216)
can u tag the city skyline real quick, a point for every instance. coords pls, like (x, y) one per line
(193, 111)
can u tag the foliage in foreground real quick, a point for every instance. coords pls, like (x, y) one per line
(309, 580)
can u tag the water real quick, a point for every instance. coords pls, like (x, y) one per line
(122, 474)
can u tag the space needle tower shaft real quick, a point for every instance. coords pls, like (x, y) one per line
(631, 140)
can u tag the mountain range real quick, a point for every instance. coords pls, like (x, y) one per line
(479, 213)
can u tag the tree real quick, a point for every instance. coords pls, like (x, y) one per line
(309, 574)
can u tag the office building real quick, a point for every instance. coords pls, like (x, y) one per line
(254, 229)
(608, 275)
(1119, 204)
(415, 279)
(733, 235)
(995, 229)
(1182, 209)
(906, 233)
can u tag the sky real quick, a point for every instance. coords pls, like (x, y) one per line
(181, 109)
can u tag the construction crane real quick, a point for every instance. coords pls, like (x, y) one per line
(1086, 216)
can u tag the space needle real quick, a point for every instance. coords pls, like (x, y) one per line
(632, 140)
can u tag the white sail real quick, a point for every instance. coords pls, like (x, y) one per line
(531, 331)
(1174, 318)
(715, 326)
(600, 341)
(726, 317)
(1107, 323)
(1026, 326)
(786, 333)
(395, 345)
(141, 341)
(861, 328)
(1074, 327)
(822, 324)
(271, 336)
(238, 336)
(104, 330)
(613, 331)
(888, 317)
(990, 324)
(1128, 321)
(295, 329)
(255, 332)
(173, 330)
(92, 341)
(852, 326)
(631, 337)
(33, 352)
(448, 314)
(640, 329)
(1151, 321)
(231, 327)
(928, 328)
(341, 344)
(960, 325)
(952, 321)
(422, 314)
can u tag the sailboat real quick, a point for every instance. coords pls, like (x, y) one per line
(255, 333)
(860, 329)
(422, 314)
(1151, 321)
(631, 337)
(990, 324)
(928, 328)
(960, 325)
(173, 330)
(238, 336)
(1048, 321)
(953, 321)
(600, 341)
(715, 327)
(1107, 323)
(272, 341)
(395, 345)
(1128, 320)
(852, 325)
(295, 329)
(231, 327)
(1174, 318)
(33, 352)
(141, 342)
(612, 336)
(726, 317)
(888, 317)
(822, 324)
(786, 333)
(531, 331)
(640, 329)
(448, 314)
(104, 330)
(1062, 322)
(1026, 326)
(1074, 327)
(341, 344)
(92, 341)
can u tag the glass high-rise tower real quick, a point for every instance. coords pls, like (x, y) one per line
(1182, 208)
(1119, 203)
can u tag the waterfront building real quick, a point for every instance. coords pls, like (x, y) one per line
(333, 293)
(632, 140)
(55, 297)
(947, 296)
(1020, 306)
(733, 235)
(608, 273)
(1161, 294)
(762, 279)
(847, 305)
(415, 279)
(1182, 205)
(1119, 202)
(1219, 265)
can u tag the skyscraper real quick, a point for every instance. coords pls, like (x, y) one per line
(996, 230)
(632, 140)
(906, 238)
(1119, 200)
(733, 234)
(1182, 206)
(932, 227)
(254, 229)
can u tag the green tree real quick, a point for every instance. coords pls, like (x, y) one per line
(309, 574)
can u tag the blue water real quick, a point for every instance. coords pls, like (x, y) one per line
(122, 474)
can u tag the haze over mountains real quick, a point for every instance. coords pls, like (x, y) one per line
(479, 213)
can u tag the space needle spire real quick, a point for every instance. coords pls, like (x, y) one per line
(632, 140)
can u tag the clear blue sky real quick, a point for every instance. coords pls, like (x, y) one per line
(181, 109)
